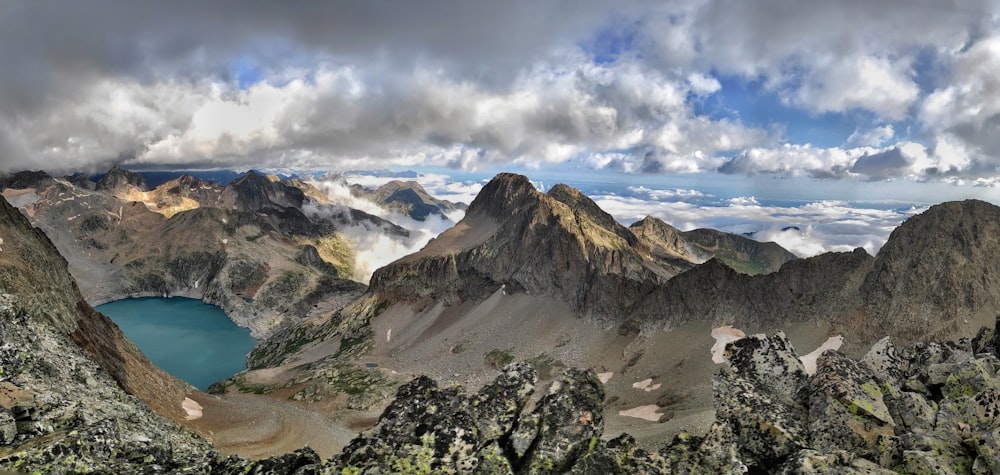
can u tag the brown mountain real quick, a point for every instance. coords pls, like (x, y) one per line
(408, 198)
(560, 243)
(260, 266)
(742, 254)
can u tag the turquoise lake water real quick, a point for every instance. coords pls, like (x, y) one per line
(186, 337)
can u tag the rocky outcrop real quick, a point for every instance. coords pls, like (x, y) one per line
(254, 192)
(432, 430)
(119, 179)
(929, 408)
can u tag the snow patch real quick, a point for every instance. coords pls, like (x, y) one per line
(809, 361)
(192, 408)
(646, 385)
(723, 336)
(605, 377)
(643, 412)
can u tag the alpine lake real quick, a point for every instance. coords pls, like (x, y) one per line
(188, 338)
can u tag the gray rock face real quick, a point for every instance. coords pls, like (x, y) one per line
(930, 408)
(118, 179)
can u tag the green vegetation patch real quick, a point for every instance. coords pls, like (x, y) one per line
(497, 358)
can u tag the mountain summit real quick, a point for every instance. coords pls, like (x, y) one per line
(937, 269)
(513, 236)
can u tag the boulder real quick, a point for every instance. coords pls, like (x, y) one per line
(757, 396)
(571, 421)
(847, 410)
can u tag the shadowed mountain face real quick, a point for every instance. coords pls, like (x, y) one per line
(936, 277)
(937, 271)
(560, 243)
(119, 179)
(742, 254)
(32, 269)
(408, 198)
(253, 192)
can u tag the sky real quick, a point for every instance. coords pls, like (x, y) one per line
(896, 101)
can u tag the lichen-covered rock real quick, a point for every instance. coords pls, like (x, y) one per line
(429, 429)
(619, 456)
(525, 434)
(987, 445)
(8, 427)
(493, 461)
(929, 462)
(423, 428)
(571, 419)
(846, 407)
(498, 404)
(884, 362)
(983, 410)
(837, 462)
(970, 377)
(757, 395)
(911, 411)
(770, 363)
(986, 341)
(931, 363)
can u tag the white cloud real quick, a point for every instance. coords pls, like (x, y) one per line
(662, 195)
(858, 82)
(873, 137)
(795, 160)
(342, 86)
(375, 246)
(703, 85)
(822, 225)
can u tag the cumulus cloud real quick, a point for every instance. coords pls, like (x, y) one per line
(795, 160)
(375, 245)
(806, 230)
(872, 137)
(859, 82)
(342, 85)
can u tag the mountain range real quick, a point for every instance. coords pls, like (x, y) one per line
(545, 277)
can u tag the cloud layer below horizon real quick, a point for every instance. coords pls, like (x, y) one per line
(663, 87)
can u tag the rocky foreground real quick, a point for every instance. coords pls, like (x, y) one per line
(928, 408)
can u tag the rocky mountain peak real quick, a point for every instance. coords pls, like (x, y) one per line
(22, 180)
(118, 178)
(254, 191)
(581, 204)
(943, 261)
(506, 195)
(664, 240)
